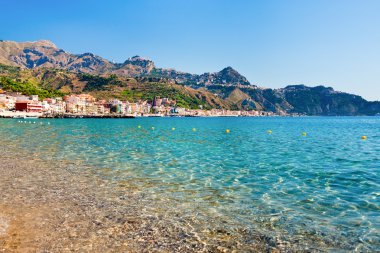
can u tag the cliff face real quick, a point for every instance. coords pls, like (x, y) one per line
(322, 100)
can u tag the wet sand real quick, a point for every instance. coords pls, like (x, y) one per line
(45, 208)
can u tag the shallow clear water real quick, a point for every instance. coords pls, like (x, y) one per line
(321, 190)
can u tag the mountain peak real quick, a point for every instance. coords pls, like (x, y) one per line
(229, 68)
(45, 43)
(140, 61)
(136, 57)
(87, 54)
(13, 45)
(229, 75)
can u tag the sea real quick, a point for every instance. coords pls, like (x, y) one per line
(303, 183)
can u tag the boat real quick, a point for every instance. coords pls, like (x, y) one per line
(30, 117)
(18, 117)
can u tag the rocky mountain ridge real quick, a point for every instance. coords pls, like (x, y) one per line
(45, 53)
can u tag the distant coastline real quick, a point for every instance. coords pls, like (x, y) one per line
(118, 116)
(41, 68)
(16, 105)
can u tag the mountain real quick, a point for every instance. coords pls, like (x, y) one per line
(300, 99)
(225, 76)
(49, 82)
(322, 100)
(45, 54)
(43, 68)
(252, 98)
(134, 67)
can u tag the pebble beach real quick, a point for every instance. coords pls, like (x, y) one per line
(45, 208)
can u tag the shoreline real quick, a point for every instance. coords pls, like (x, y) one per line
(22, 114)
(47, 208)
(120, 116)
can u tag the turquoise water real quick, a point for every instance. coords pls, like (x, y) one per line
(319, 191)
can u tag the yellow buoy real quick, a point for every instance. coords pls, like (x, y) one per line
(138, 126)
(228, 131)
(304, 133)
(364, 137)
(173, 128)
(269, 131)
(194, 129)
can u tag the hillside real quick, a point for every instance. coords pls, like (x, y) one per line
(42, 67)
(56, 82)
(322, 100)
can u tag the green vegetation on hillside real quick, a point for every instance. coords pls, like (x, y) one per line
(27, 88)
(95, 82)
(5, 69)
(148, 91)
(322, 100)
(55, 82)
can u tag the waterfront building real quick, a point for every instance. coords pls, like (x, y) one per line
(34, 97)
(115, 106)
(7, 102)
(22, 98)
(128, 108)
(157, 102)
(98, 108)
(135, 108)
(28, 106)
(75, 104)
(87, 105)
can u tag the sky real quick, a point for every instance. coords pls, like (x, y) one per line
(273, 43)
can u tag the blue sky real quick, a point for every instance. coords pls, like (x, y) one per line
(273, 43)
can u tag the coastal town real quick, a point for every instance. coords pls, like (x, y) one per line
(14, 104)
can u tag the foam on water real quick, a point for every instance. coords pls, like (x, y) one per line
(316, 191)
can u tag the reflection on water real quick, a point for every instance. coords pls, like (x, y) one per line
(319, 191)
